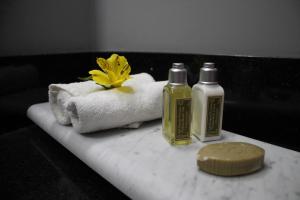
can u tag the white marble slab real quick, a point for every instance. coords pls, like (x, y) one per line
(145, 167)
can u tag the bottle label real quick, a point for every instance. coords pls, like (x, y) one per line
(214, 104)
(182, 119)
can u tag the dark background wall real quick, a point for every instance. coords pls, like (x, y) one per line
(45, 26)
(268, 28)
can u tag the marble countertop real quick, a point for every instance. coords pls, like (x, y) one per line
(143, 165)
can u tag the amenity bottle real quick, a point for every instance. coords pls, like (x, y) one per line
(207, 105)
(177, 107)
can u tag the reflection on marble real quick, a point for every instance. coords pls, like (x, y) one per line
(144, 166)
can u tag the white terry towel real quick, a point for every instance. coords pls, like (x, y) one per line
(116, 107)
(59, 94)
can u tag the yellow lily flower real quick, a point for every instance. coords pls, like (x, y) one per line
(116, 70)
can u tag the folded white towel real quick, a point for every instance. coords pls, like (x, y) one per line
(59, 94)
(116, 107)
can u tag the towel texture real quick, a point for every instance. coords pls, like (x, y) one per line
(116, 107)
(60, 94)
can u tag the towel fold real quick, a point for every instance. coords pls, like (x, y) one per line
(117, 107)
(60, 94)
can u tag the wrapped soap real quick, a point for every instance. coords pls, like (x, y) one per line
(230, 158)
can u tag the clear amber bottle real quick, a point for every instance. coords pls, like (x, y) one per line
(177, 107)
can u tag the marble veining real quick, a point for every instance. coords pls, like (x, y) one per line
(144, 166)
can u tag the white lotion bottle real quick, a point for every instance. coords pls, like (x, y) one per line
(207, 105)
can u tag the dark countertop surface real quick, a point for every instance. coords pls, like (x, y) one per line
(35, 166)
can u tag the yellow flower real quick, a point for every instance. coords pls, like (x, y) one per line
(116, 70)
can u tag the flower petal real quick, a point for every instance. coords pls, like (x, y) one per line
(100, 77)
(96, 72)
(112, 76)
(103, 64)
(113, 63)
(123, 65)
(118, 83)
(124, 73)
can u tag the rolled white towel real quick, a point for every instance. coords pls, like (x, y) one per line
(117, 107)
(59, 94)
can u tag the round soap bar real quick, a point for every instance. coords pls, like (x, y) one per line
(230, 158)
